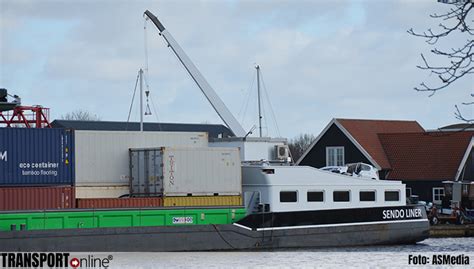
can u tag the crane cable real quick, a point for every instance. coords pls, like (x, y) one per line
(270, 104)
(131, 104)
(145, 37)
(147, 85)
(243, 108)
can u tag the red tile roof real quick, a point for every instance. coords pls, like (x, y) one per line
(425, 156)
(366, 133)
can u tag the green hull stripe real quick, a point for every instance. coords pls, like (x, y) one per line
(119, 218)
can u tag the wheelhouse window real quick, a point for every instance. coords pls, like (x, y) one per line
(335, 156)
(288, 197)
(341, 196)
(367, 196)
(391, 196)
(315, 196)
(408, 192)
(438, 194)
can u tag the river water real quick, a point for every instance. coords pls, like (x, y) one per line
(355, 257)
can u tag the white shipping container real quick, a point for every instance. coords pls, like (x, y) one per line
(102, 157)
(173, 171)
(84, 192)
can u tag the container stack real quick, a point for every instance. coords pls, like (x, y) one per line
(45, 169)
(102, 164)
(199, 176)
(36, 169)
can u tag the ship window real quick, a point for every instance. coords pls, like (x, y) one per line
(288, 197)
(341, 196)
(392, 196)
(408, 192)
(315, 196)
(335, 156)
(367, 196)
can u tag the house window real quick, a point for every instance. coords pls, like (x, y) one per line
(288, 197)
(367, 196)
(465, 190)
(335, 156)
(391, 196)
(438, 194)
(341, 196)
(315, 196)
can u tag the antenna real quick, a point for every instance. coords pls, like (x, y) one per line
(259, 101)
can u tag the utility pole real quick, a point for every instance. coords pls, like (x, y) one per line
(141, 99)
(259, 105)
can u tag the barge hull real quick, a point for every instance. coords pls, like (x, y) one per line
(212, 237)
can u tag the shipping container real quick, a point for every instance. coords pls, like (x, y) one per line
(36, 157)
(115, 191)
(235, 200)
(120, 218)
(173, 171)
(37, 198)
(102, 156)
(120, 202)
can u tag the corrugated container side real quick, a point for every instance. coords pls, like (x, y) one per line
(37, 198)
(203, 201)
(103, 159)
(146, 172)
(36, 157)
(102, 191)
(120, 202)
(171, 171)
(201, 171)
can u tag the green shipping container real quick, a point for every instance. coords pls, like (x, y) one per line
(120, 218)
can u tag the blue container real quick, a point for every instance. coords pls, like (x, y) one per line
(36, 157)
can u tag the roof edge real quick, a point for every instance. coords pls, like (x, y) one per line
(358, 146)
(347, 134)
(464, 159)
(315, 141)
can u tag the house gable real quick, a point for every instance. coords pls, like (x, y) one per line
(332, 136)
(466, 168)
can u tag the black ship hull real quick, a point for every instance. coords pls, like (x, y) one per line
(349, 227)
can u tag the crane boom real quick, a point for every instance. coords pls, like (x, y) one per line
(206, 89)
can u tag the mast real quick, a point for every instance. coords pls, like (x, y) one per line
(141, 99)
(206, 89)
(259, 101)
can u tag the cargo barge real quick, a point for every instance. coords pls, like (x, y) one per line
(189, 229)
(276, 205)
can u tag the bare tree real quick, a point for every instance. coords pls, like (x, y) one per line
(457, 19)
(82, 115)
(299, 144)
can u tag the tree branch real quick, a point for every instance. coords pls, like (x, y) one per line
(461, 59)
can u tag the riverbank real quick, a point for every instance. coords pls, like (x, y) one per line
(438, 231)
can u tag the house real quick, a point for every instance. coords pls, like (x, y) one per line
(214, 130)
(348, 141)
(400, 150)
(424, 160)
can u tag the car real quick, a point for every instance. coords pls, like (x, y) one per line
(354, 169)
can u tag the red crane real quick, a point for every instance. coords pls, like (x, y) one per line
(13, 114)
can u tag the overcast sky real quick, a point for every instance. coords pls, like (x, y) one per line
(319, 59)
